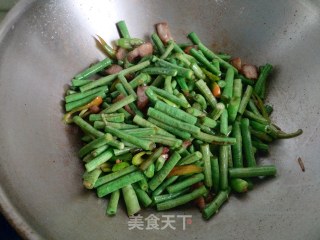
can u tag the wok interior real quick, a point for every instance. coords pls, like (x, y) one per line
(50, 42)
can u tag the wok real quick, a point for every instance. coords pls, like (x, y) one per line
(43, 44)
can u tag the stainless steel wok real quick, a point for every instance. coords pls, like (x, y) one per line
(44, 43)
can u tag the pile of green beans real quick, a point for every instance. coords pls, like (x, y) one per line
(186, 143)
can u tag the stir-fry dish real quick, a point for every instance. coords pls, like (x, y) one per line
(166, 124)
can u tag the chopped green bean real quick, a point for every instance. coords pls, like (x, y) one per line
(261, 171)
(94, 69)
(182, 199)
(165, 170)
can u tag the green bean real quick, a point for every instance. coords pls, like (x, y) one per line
(78, 103)
(245, 80)
(261, 135)
(189, 159)
(151, 95)
(201, 100)
(214, 162)
(123, 30)
(172, 121)
(143, 197)
(94, 69)
(259, 126)
(149, 172)
(140, 132)
(78, 96)
(237, 147)
(108, 79)
(86, 138)
(144, 123)
(221, 83)
(210, 75)
(234, 104)
(158, 43)
(159, 163)
(260, 146)
(177, 48)
(165, 170)
(205, 62)
(119, 183)
(95, 162)
(164, 140)
(158, 81)
(214, 206)
(99, 150)
(143, 183)
(183, 85)
(113, 117)
(126, 157)
(170, 97)
(210, 55)
(89, 178)
(205, 150)
(258, 101)
(269, 109)
(188, 182)
(228, 89)
(127, 86)
(79, 82)
(168, 50)
(247, 144)
(128, 43)
(195, 112)
(167, 84)
(255, 117)
(150, 160)
(224, 122)
(174, 87)
(223, 164)
(193, 65)
(103, 124)
(131, 200)
(70, 92)
(206, 92)
(230, 161)
(113, 203)
(139, 80)
(216, 63)
(182, 72)
(115, 175)
(182, 151)
(217, 140)
(278, 134)
(239, 185)
(86, 127)
(160, 71)
(117, 152)
(169, 196)
(175, 131)
(224, 56)
(208, 122)
(96, 143)
(175, 112)
(117, 105)
(147, 145)
(245, 99)
(261, 171)
(254, 108)
(118, 166)
(261, 81)
(182, 199)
